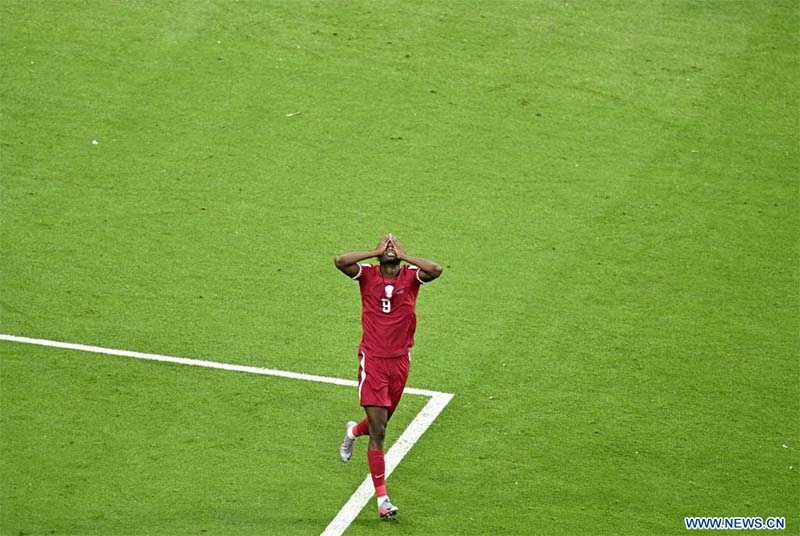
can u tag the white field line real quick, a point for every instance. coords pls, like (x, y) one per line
(364, 493)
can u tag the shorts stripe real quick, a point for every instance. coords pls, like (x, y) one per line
(363, 377)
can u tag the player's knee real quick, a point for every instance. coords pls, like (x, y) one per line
(377, 431)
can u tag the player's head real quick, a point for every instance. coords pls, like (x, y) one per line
(389, 255)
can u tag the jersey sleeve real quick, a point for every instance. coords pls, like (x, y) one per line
(415, 270)
(364, 271)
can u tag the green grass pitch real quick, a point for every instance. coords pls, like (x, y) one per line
(611, 186)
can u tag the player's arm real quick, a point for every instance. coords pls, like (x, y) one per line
(428, 269)
(347, 263)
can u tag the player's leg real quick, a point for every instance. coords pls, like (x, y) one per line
(378, 417)
(396, 371)
(376, 401)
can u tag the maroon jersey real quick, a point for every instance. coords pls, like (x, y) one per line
(388, 317)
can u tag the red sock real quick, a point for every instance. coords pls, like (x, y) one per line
(377, 468)
(361, 428)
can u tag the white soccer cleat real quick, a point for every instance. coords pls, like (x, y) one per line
(346, 450)
(387, 509)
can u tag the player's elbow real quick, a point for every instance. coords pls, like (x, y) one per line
(339, 262)
(435, 271)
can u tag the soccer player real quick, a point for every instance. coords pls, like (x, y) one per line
(388, 320)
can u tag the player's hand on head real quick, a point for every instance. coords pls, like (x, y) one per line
(383, 244)
(398, 247)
